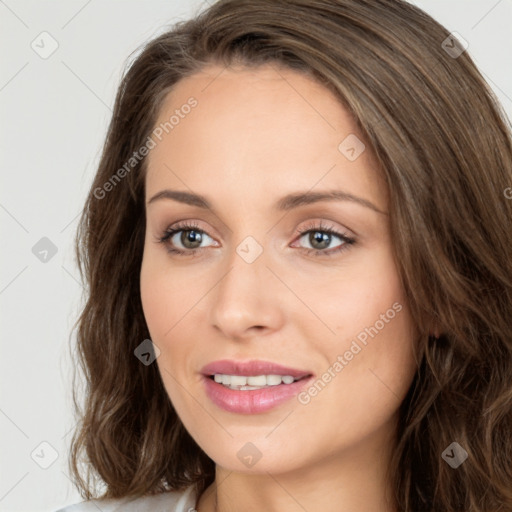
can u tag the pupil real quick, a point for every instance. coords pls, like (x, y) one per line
(190, 236)
(319, 236)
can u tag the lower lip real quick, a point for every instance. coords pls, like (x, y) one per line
(252, 401)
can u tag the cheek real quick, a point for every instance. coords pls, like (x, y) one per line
(355, 297)
(169, 298)
(374, 331)
(167, 294)
(361, 392)
(162, 312)
(154, 301)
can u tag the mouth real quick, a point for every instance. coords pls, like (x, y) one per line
(252, 373)
(253, 386)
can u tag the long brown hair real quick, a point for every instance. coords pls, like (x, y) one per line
(444, 145)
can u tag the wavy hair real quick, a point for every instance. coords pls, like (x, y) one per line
(445, 149)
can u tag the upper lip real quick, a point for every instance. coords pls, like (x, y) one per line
(248, 368)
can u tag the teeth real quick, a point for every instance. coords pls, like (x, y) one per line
(253, 382)
(260, 380)
(235, 380)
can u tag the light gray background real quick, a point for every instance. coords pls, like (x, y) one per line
(54, 114)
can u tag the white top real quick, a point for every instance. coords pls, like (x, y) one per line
(171, 501)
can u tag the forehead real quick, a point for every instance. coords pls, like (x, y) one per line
(255, 129)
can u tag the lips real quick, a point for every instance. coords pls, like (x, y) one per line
(251, 368)
(253, 401)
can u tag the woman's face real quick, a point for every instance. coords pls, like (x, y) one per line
(264, 148)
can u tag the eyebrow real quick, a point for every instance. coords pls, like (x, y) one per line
(286, 203)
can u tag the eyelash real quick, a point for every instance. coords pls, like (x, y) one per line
(186, 226)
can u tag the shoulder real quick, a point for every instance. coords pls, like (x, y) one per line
(172, 501)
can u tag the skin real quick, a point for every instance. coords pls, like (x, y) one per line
(256, 135)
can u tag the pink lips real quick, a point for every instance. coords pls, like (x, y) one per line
(256, 400)
(249, 368)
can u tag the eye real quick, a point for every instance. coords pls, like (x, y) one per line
(320, 237)
(190, 237)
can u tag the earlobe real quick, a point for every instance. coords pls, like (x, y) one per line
(435, 334)
(434, 331)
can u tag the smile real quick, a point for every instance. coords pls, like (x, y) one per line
(252, 387)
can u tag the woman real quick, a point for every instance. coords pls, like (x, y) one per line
(297, 246)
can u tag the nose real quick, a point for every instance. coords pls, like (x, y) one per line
(248, 300)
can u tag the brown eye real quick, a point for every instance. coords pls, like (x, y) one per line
(190, 238)
(184, 239)
(320, 238)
